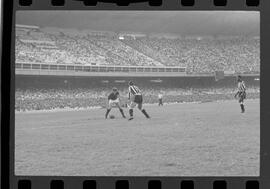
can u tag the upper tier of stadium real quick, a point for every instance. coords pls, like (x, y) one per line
(202, 54)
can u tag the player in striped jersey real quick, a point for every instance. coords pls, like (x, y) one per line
(241, 93)
(135, 97)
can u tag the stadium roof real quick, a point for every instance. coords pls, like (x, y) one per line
(26, 26)
(149, 22)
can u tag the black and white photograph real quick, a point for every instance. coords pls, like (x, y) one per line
(137, 93)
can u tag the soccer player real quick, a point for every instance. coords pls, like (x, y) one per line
(160, 96)
(113, 99)
(135, 97)
(241, 93)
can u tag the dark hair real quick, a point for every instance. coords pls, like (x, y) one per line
(130, 83)
(239, 78)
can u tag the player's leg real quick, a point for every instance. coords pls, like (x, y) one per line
(243, 106)
(107, 112)
(141, 108)
(244, 97)
(108, 109)
(131, 106)
(143, 111)
(121, 110)
(241, 101)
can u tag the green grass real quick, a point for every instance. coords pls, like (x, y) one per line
(192, 139)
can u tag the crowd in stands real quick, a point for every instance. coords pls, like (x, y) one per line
(27, 52)
(198, 54)
(100, 50)
(240, 54)
(49, 99)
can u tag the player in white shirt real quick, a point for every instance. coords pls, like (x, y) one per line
(160, 96)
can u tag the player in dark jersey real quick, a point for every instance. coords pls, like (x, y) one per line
(241, 92)
(135, 97)
(113, 99)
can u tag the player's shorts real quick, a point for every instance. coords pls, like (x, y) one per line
(113, 103)
(242, 96)
(138, 99)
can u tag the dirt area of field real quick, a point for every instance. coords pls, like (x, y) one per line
(192, 139)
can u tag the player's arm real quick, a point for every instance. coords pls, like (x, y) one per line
(107, 102)
(109, 98)
(118, 96)
(236, 94)
(129, 93)
(244, 86)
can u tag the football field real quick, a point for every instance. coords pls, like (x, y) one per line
(192, 139)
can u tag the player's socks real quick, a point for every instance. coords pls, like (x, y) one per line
(107, 113)
(122, 112)
(145, 113)
(242, 108)
(130, 114)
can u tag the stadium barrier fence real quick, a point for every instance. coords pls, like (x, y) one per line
(96, 68)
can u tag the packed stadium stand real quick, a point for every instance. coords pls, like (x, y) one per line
(240, 54)
(48, 93)
(197, 55)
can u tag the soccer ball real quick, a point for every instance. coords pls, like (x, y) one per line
(112, 117)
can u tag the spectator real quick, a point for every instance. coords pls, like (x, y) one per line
(199, 55)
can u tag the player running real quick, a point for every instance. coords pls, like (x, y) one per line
(135, 97)
(241, 93)
(113, 99)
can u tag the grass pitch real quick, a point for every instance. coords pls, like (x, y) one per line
(193, 139)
